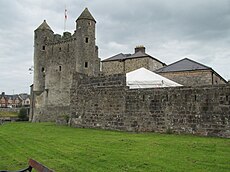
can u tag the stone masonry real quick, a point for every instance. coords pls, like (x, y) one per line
(56, 58)
(69, 88)
(194, 78)
(105, 102)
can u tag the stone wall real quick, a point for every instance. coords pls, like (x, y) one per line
(113, 67)
(108, 104)
(128, 65)
(190, 78)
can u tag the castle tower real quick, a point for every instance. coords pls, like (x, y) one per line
(42, 35)
(88, 61)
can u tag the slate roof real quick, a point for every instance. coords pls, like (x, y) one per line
(44, 26)
(118, 57)
(12, 97)
(24, 96)
(183, 65)
(122, 56)
(86, 15)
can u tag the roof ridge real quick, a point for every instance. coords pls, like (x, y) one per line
(162, 69)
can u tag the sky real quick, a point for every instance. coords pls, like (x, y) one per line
(169, 29)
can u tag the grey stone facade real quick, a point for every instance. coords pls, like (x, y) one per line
(56, 58)
(124, 63)
(105, 102)
(191, 73)
(69, 88)
(194, 78)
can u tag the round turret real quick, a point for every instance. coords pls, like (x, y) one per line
(42, 35)
(88, 63)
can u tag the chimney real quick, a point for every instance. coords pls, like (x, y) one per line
(140, 48)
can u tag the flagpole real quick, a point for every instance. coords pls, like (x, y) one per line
(65, 18)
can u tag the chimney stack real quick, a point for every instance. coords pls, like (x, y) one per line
(140, 48)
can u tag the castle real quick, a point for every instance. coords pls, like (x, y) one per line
(57, 57)
(70, 88)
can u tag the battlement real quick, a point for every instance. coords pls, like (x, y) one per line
(67, 37)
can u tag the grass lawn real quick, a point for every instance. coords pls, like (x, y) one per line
(65, 149)
(8, 114)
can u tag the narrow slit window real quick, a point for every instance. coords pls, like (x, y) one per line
(59, 48)
(86, 40)
(43, 47)
(43, 69)
(86, 64)
(60, 68)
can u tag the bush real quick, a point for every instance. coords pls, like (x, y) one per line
(23, 116)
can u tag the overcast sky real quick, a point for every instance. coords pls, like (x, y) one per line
(169, 29)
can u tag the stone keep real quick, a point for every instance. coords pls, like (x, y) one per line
(56, 58)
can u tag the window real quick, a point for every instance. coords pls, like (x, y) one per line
(60, 68)
(86, 64)
(43, 69)
(86, 40)
(43, 47)
(59, 48)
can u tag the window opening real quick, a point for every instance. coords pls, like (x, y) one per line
(60, 68)
(86, 64)
(86, 40)
(43, 47)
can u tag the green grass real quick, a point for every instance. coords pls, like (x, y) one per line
(8, 114)
(63, 149)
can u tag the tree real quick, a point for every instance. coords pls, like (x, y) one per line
(23, 116)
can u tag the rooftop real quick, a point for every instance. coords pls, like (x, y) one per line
(139, 53)
(183, 65)
(86, 15)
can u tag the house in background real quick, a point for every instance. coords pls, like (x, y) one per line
(13, 101)
(124, 63)
(25, 99)
(191, 73)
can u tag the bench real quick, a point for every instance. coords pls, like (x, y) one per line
(34, 165)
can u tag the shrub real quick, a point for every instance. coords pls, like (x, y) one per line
(23, 116)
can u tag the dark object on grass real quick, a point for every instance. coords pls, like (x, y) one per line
(34, 165)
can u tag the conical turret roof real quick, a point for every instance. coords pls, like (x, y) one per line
(44, 26)
(86, 15)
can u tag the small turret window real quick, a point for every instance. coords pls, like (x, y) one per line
(43, 69)
(59, 48)
(43, 47)
(86, 40)
(60, 68)
(86, 64)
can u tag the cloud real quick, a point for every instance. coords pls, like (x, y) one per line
(170, 30)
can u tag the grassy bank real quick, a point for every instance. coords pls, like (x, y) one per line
(69, 149)
(8, 114)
